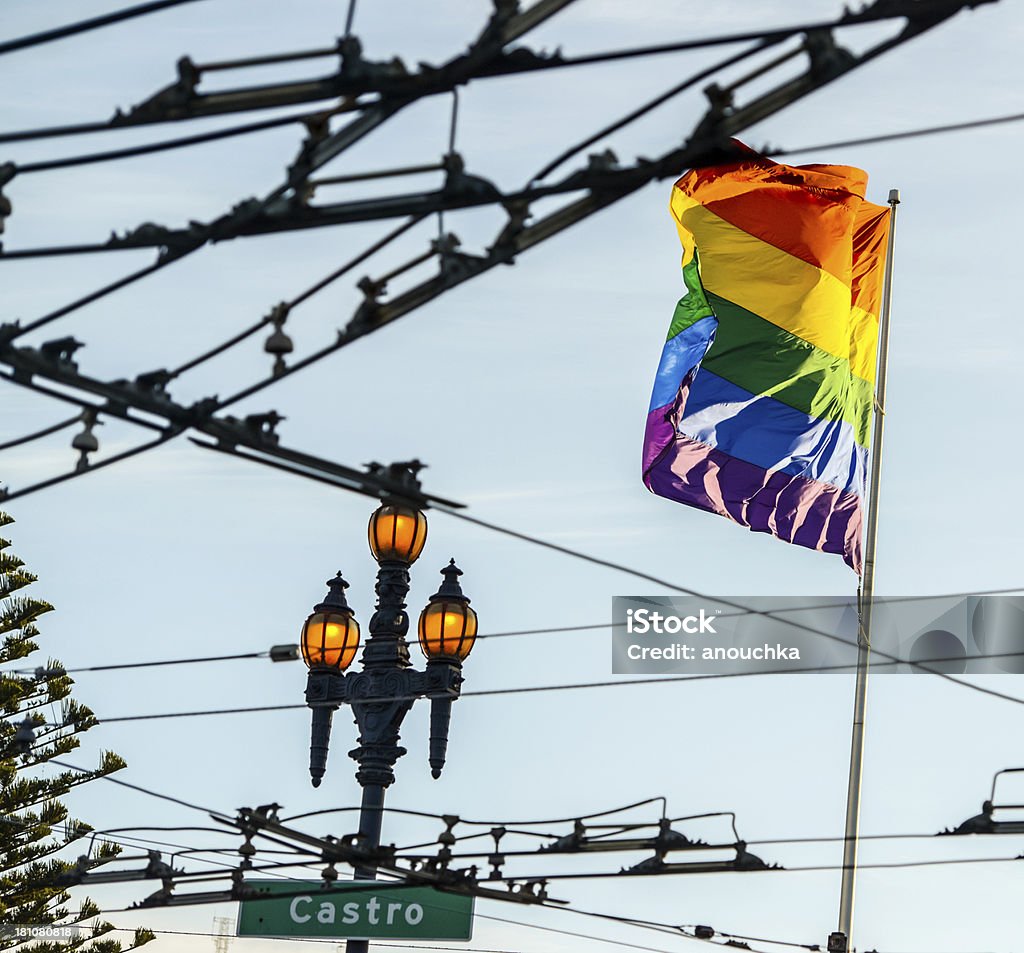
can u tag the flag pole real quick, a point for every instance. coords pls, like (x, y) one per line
(866, 600)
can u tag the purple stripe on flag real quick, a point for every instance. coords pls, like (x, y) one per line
(806, 512)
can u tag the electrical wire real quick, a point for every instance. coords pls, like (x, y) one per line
(608, 564)
(558, 61)
(92, 296)
(506, 823)
(324, 152)
(130, 152)
(510, 66)
(774, 841)
(568, 629)
(661, 927)
(45, 432)
(905, 134)
(324, 352)
(298, 299)
(117, 666)
(260, 385)
(480, 916)
(141, 790)
(927, 132)
(569, 686)
(818, 868)
(649, 106)
(249, 391)
(83, 26)
(169, 434)
(191, 851)
(392, 884)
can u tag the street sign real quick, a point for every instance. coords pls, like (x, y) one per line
(355, 910)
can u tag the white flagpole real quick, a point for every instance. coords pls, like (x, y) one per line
(866, 598)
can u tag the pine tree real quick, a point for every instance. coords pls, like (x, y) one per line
(35, 826)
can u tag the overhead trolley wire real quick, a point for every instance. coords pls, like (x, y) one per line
(84, 26)
(466, 64)
(678, 930)
(512, 66)
(150, 148)
(168, 434)
(641, 111)
(45, 432)
(298, 299)
(523, 536)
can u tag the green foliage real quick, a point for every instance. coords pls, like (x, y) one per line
(35, 827)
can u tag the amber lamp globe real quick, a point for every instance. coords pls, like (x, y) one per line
(330, 636)
(397, 533)
(447, 628)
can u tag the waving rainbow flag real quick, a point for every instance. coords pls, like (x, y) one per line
(762, 403)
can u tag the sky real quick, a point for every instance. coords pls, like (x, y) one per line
(526, 392)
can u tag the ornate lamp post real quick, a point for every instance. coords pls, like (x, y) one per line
(381, 694)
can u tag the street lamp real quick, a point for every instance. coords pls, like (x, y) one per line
(383, 691)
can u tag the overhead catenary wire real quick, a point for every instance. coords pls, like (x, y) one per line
(238, 338)
(169, 434)
(661, 927)
(510, 67)
(395, 881)
(151, 148)
(511, 826)
(91, 297)
(338, 479)
(244, 393)
(84, 26)
(302, 296)
(239, 395)
(608, 812)
(605, 813)
(299, 853)
(326, 150)
(649, 106)
(45, 432)
(678, 929)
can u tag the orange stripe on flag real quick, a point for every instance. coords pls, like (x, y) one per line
(820, 202)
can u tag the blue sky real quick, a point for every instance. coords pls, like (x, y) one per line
(526, 391)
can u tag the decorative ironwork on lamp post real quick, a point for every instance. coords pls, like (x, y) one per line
(383, 691)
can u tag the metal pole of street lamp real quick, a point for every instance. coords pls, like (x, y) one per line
(382, 693)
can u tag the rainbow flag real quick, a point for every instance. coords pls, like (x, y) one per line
(762, 404)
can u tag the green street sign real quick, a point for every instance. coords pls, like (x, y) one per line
(360, 910)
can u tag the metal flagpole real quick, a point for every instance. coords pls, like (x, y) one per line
(841, 943)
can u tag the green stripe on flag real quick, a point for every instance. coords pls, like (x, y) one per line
(694, 304)
(765, 359)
